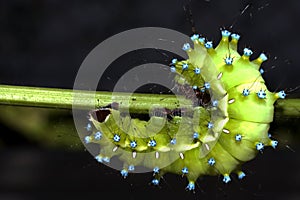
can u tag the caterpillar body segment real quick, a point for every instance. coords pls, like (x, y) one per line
(227, 126)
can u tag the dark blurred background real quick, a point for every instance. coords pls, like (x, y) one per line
(43, 43)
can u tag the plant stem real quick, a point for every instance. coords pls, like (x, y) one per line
(139, 102)
(81, 99)
(288, 108)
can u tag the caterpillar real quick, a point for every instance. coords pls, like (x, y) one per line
(227, 125)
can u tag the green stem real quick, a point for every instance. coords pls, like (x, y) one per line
(80, 99)
(139, 102)
(289, 108)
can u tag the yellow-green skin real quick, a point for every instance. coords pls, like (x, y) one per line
(236, 114)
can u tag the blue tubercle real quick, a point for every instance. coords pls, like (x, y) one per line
(131, 168)
(210, 125)
(246, 92)
(133, 144)
(155, 170)
(190, 186)
(152, 143)
(269, 135)
(202, 40)
(208, 45)
(185, 170)
(274, 143)
(174, 60)
(238, 137)
(172, 69)
(241, 175)
(124, 173)
(87, 139)
(88, 127)
(195, 37)
(248, 52)
(186, 47)
(263, 57)
(117, 138)
(185, 66)
(106, 159)
(211, 161)
(98, 135)
(214, 103)
(99, 158)
(207, 85)
(173, 141)
(281, 94)
(197, 70)
(235, 36)
(261, 94)
(259, 146)
(155, 181)
(228, 60)
(225, 33)
(261, 71)
(196, 135)
(226, 178)
(195, 87)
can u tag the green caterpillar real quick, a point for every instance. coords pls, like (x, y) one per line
(227, 126)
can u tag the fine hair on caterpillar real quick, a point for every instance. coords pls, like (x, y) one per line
(225, 125)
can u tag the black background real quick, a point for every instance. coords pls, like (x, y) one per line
(43, 42)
